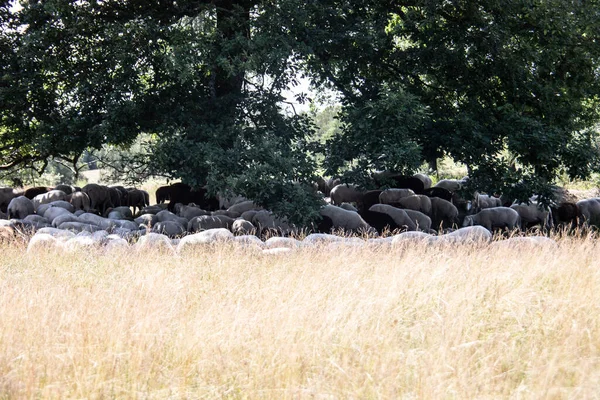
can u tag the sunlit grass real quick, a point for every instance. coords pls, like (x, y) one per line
(418, 322)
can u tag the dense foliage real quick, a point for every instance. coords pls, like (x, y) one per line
(511, 89)
(191, 74)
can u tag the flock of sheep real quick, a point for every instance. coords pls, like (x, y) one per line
(416, 205)
(118, 217)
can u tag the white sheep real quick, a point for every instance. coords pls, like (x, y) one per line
(393, 196)
(494, 218)
(533, 214)
(346, 193)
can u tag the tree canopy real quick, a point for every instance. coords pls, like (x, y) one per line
(511, 89)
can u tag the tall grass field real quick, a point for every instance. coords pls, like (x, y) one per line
(419, 322)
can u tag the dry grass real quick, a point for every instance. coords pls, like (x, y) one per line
(460, 322)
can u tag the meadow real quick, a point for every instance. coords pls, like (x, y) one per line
(452, 322)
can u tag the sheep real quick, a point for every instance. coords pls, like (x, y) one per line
(184, 194)
(380, 221)
(324, 239)
(483, 201)
(443, 213)
(565, 213)
(423, 221)
(116, 198)
(279, 242)
(589, 212)
(393, 196)
(320, 185)
(529, 242)
(99, 196)
(370, 197)
(464, 206)
(36, 218)
(425, 179)
(438, 192)
(533, 214)
(166, 215)
(20, 207)
(189, 211)
(251, 241)
(35, 191)
(206, 222)
(493, 218)
(412, 237)
(80, 201)
(155, 209)
(63, 204)
(417, 202)
(349, 207)
(57, 221)
(266, 221)
(169, 228)
(124, 211)
(248, 215)
(126, 224)
(396, 180)
(7, 234)
(321, 224)
(137, 198)
(42, 241)
(48, 197)
(43, 208)
(116, 245)
(227, 213)
(467, 235)
(346, 193)
(115, 215)
(68, 189)
(242, 227)
(162, 194)
(318, 239)
(54, 212)
(79, 243)
(452, 185)
(102, 222)
(154, 241)
(325, 185)
(58, 233)
(78, 227)
(204, 238)
(344, 219)
(400, 216)
(146, 219)
(112, 214)
(6, 195)
(244, 206)
(380, 243)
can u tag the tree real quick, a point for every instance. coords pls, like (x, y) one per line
(202, 78)
(520, 76)
(473, 80)
(510, 89)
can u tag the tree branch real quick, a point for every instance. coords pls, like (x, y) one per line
(18, 161)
